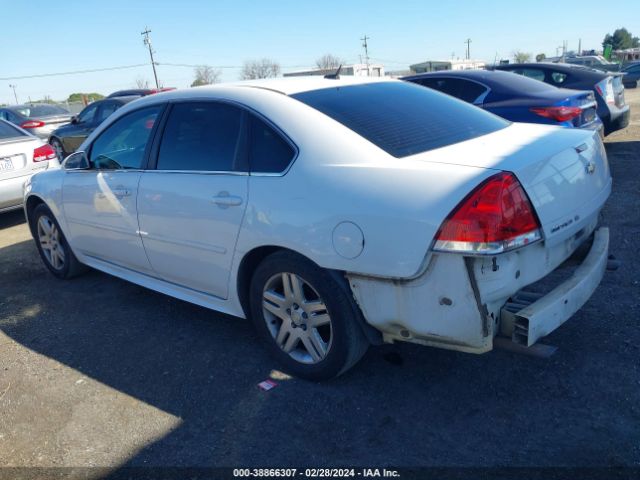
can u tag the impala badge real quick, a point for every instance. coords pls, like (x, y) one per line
(591, 167)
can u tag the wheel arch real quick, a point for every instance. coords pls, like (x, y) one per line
(29, 206)
(254, 257)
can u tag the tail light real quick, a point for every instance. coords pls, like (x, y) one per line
(559, 114)
(495, 217)
(32, 124)
(605, 89)
(44, 153)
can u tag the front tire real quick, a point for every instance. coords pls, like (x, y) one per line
(306, 317)
(57, 146)
(52, 244)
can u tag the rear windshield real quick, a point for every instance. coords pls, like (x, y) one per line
(402, 118)
(31, 111)
(8, 131)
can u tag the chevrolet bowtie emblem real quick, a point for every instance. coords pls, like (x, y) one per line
(591, 167)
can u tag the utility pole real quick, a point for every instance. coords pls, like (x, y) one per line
(14, 92)
(147, 42)
(366, 52)
(468, 42)
(579, 46)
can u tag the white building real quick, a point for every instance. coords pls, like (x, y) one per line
(356, 69)
(439, 65)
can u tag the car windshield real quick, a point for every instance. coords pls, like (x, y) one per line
(8, 131)
(31, 111)
(402, 118)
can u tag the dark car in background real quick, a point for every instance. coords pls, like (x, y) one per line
(66, 140)
(607, 86)
(516, 98)
(139, 92)
(39, 119)
(632, 75)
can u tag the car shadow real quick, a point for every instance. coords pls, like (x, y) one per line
(11, 219)
(401, 405)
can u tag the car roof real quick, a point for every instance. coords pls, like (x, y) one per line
(560, 67)
(293, 85)
(484, 76)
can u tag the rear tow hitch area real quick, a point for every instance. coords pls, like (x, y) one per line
(529, 316)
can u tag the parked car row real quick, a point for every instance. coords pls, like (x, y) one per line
(607, 88)
(516, 98)
(21, 155)
(337, 213)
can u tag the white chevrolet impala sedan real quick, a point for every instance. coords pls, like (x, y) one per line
(335, 213)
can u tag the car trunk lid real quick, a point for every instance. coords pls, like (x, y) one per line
(564, 171)
(16, 157)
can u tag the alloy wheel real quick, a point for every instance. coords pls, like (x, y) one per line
(297, 318)
(49, 238)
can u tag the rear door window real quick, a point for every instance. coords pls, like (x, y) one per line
(467, 90)
(202, 136)
(534, 73)
(400, 117)
(269, 152)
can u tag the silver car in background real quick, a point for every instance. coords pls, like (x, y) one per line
(39, 119)
(21, 155)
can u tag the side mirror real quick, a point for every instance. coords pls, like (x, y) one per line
(77, 161)
(74, 120)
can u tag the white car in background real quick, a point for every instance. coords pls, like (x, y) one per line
(21, 155)
(335, 213)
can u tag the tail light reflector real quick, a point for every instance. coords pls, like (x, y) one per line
(605, 89)
(44, 153)
(559, 114)
(495, 217)
(32, 124)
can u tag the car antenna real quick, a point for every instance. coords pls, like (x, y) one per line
(335, 75)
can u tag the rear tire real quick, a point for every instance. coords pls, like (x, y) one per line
(52, 244)
(305, 317)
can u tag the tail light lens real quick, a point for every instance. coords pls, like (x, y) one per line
(497, 216)
(559, 114)
(44, 153)
(605, 89)
(32, 124)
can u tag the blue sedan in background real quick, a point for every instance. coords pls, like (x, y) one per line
(515, 97)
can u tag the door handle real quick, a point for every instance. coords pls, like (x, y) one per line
(224, 200)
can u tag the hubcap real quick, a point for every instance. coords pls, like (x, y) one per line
(297, 318)
(58, 148)
(49, 238)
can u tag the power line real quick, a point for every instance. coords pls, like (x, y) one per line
(74, 72)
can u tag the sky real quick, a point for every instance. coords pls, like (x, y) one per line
(43, 37)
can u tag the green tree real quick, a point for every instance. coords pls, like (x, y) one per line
(91, 97)
(621, 39)
(521, 57)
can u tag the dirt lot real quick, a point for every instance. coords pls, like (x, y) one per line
(97, 371)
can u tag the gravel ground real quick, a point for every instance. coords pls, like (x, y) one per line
(100, 372)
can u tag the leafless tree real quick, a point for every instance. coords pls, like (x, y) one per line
(328, 61)
(263, 68)
(142, 83)
(521, 57)
(205, 75)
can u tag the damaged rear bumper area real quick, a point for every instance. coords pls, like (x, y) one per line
(462, 303)
(527, 318)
